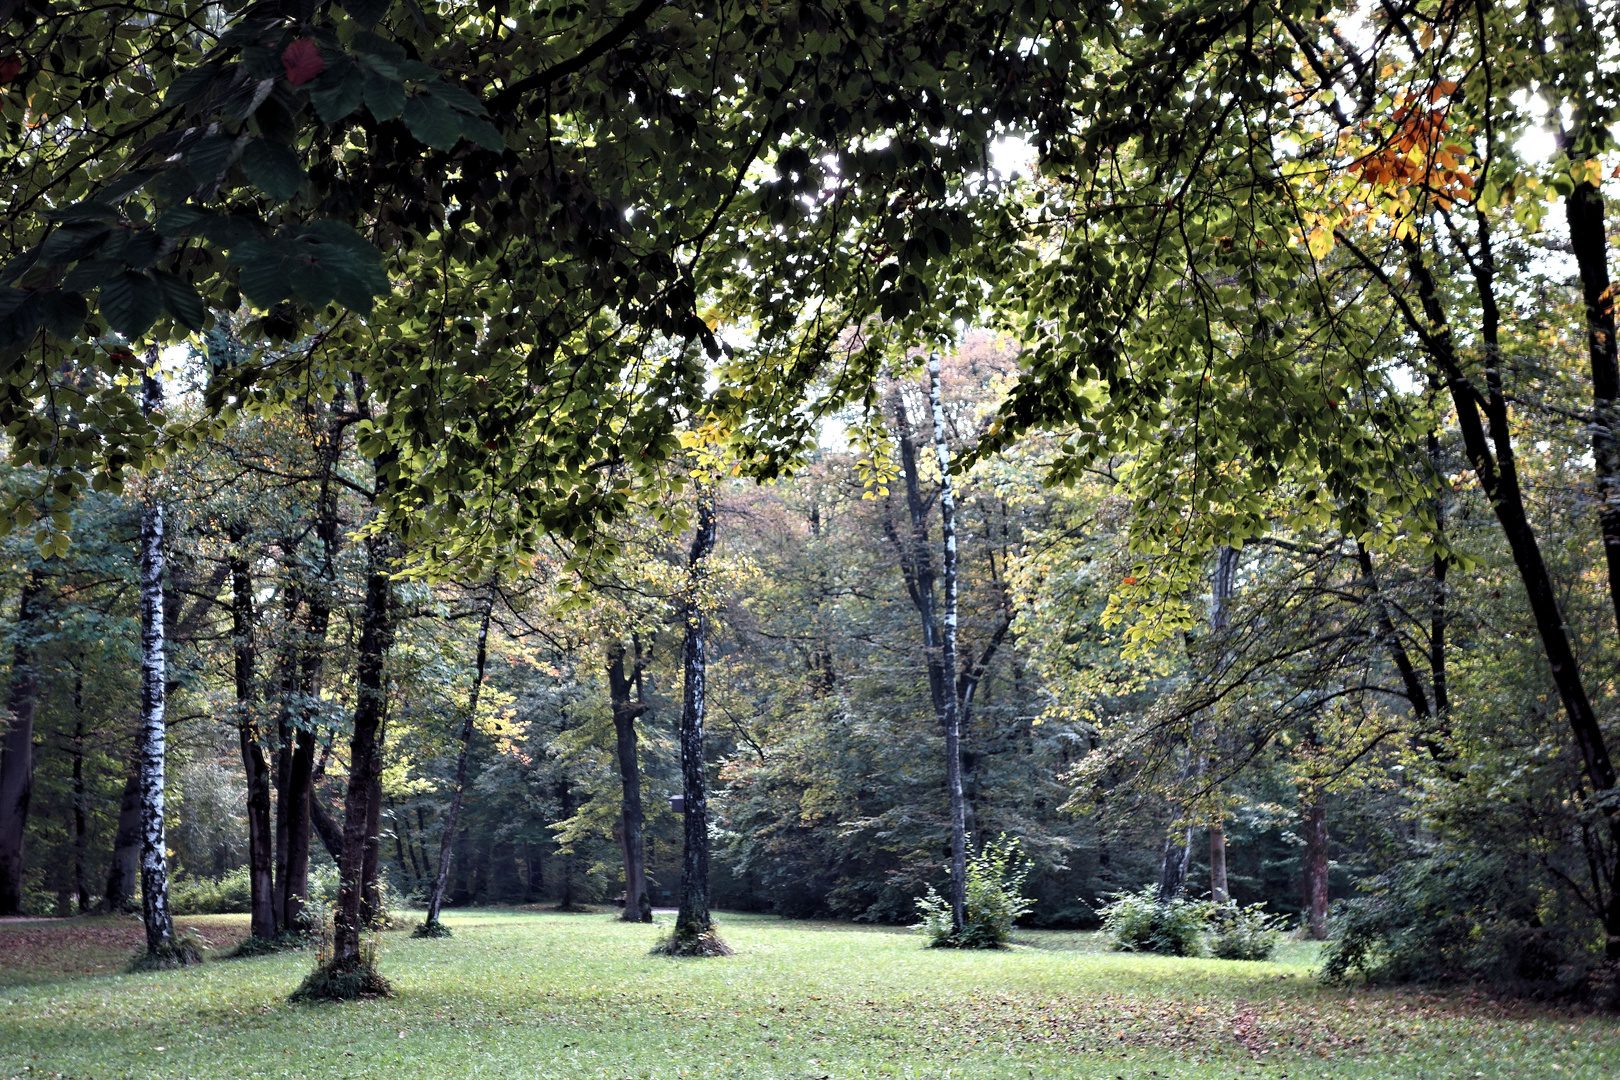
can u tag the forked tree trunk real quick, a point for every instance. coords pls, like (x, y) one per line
(151, 747)
(693, 920)
(365, 765)
(950, 715)
(17, 754)
(261, 855)
(637, 908)
(441, 880)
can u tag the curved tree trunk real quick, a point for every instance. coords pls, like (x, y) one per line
(693, 921)
(17, 753)
(441, 880)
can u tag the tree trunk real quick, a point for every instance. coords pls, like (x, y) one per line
(326, 827)
(81, 838)
(376, 635)
(373, 905)
(1314, 865)
(1219, 893)
(1220, 615)
(299, 790)
(123, 874)
(693, 919)
(261, 855)
(151, 748)
(950, 717)
(637, 908)
(17, 753)
(1589, 240)
(446, 842)
(1173, 867)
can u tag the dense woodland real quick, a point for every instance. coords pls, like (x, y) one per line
(441, 435)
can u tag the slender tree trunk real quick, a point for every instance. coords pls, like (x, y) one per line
(446, 845)
(376, 635)
(637, 908)
(81, 888)
(1589, 240)
(261, 854)
(123, 874)
(1314, 864)
(1220, 616)
(154, 695)
(300, 787)
(373, 906)
(287, 690)
(693, 921)
(17, 753)
(950, 715)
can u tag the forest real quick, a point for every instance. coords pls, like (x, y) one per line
(1107, 484)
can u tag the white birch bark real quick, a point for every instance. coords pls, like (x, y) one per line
(151, 748)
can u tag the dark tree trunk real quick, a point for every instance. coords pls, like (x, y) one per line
(287, 691)
(1219, 892)
(17, 753)
(1220, 615)
(261, 838)
(1314, 864)
(151, 747)
(326, 827)
(365, 765)
(693, 921)
(637, 908)
(81, 838)
(446, 845)
(299, 790)
(1173, 866)
(373, 909)
(1589, 240)
(123, 875)
(950, 716)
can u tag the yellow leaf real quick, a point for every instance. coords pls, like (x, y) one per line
(1426, 36)
(1320, 241)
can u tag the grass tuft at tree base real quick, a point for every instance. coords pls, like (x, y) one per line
(344, 980)
(433, 928)
(708, 943)
(183, 951)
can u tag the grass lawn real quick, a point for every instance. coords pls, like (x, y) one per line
(577, 997)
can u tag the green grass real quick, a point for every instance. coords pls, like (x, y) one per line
(577, 997)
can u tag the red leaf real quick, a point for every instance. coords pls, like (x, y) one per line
(10, 67)
(303, 62)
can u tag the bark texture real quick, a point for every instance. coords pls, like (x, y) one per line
(693, 921)
(151, 744)
(950, 714)
(261, 837)
(1315, 864)
(365, 764)
(632, 820)
(124, 872)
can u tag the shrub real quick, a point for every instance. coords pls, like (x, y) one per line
(1141, 922)
(228, 895)
(995, 901)
(1450, 919)
(1243, 933)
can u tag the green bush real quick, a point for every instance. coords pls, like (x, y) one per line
(1141, 922)
(1243, 933)
(995, 901)
(228, 895)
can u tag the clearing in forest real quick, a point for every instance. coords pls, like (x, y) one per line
(577, 997)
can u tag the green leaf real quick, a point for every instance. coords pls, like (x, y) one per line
(273, 168)
(191, 84)
(341, 98)
(181, 300)
(19, 317)
(178, 221)
(63, 313)
(432, 122)
(131, 303)
(366, 12)
(263, 274)
(483, 133)
(91, 273)
(385, 97)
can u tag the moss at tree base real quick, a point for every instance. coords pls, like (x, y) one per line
(177, 953)
(343, 980)
(707, 943)
(431, 929)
